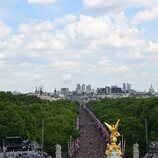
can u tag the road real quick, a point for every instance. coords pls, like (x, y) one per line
(92, 145)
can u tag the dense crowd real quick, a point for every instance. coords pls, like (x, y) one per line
(27, 154)
(92, 144)
(153, 150)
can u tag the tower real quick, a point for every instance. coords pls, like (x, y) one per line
(78, 88)
(88, 88)
(55, 91)
(151, 89)
(83, 87)
(41, 90)
(128, 87)
(124, 87)
(36, 90)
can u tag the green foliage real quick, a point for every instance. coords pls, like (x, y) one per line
(22, 115)
(132, 112)
(29, 99)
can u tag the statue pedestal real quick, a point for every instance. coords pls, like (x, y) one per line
(113, 150)
(58, 151)
(114, 154)
(136, 150)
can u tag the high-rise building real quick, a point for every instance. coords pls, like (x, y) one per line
(78, 88)
(64, 90)
(128, 87)
(108, 89)
(83, 87)
(124, 87)
(88, 88)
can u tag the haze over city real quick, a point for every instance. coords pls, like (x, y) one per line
(59, 43)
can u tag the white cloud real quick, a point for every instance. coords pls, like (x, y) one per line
(4, 29)
(1, 64)
(152, 52)
(103, 62)
(64, 65)
(148, 14)
(42, 1)
(113, 69)
(27, 75)
(35, 27)
(119, 5)
(77, 48)
(101, 4)
(102, 31)
(46, 25)
(85, 33)
(148, 53)
(152, 47)
(63, 46)
(133, 55)
(107, 66)
(84, 36)
(76, 45)
(66, 78)
(2, 55)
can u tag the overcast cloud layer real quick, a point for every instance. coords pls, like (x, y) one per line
(61, 43)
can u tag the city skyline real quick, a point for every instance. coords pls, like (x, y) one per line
(59, 43)
(81, 88)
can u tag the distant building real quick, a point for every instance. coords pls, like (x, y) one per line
(101, 91)
(55, 91)
(128, 87)
(114, 86)
(16, 93)
(39, 90)
(36, 90)
(83, 87)
(151, 90)
(78, 88)
(108, 89)
(124, 87)
(88, 88)
(64, 91)
(116, 90)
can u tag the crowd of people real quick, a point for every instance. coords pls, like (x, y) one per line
(24, 154)
(92, 144)
(15, 147)
(153, 150)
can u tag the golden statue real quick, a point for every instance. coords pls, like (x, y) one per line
(114, 133)
(113, 148)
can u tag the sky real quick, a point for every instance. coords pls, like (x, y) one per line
(59, 43)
